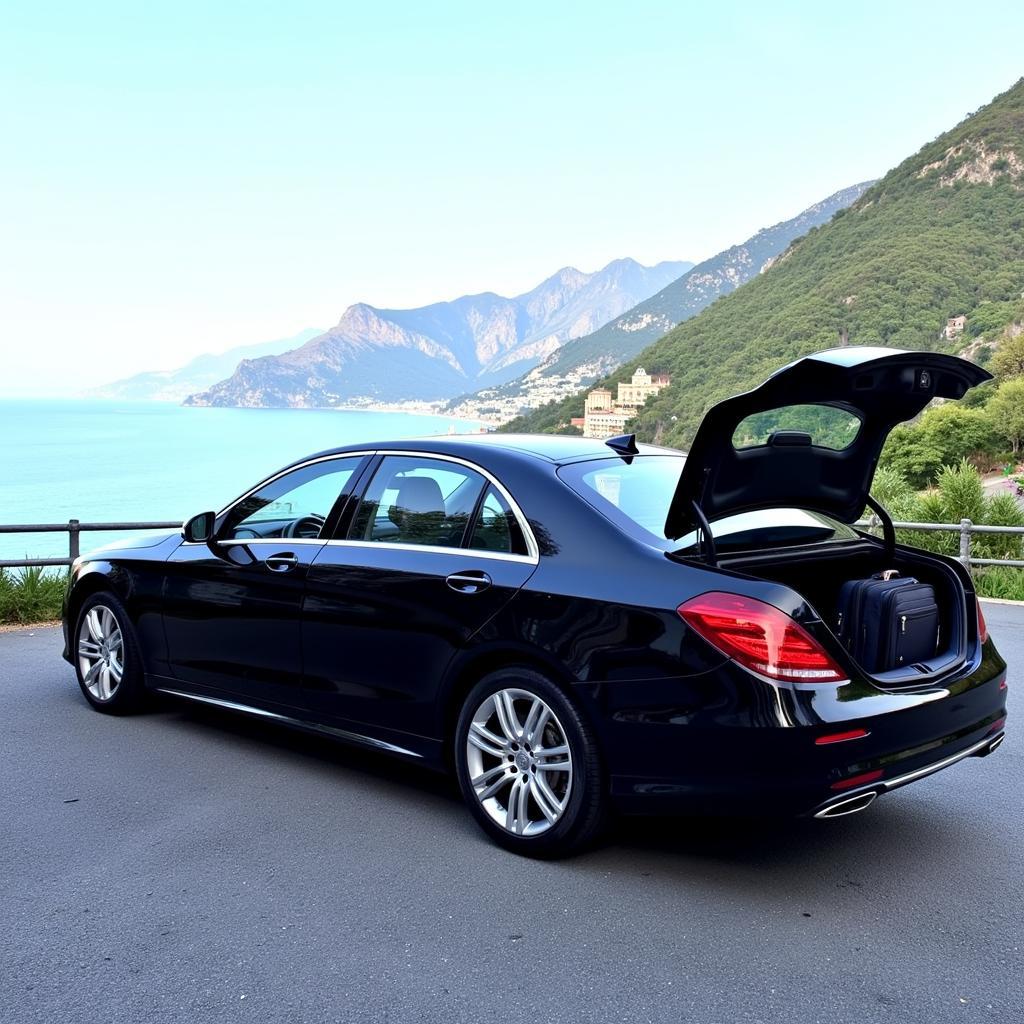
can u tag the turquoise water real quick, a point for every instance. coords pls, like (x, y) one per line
(105, 461)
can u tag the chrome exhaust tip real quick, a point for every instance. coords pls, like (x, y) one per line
(993, 745)
(851, 805)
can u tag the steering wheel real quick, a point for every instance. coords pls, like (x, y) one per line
(306, 526)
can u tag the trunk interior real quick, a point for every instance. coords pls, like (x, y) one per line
(818, 573)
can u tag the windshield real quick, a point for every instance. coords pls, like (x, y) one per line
(636, 495)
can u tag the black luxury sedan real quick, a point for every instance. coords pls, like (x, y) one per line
(578, 626)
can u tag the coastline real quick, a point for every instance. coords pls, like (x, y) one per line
(416, 408)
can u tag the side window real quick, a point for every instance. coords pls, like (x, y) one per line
(294, 505)
(413, 500)
(496, 527)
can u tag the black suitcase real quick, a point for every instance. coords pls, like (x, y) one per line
(888, 621)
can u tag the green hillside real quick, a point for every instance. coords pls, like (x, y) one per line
(940, 235)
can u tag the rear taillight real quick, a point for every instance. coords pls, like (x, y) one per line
(982, 628)
(760, 637)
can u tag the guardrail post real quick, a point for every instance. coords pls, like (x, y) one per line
(965, 542)
(73, 539)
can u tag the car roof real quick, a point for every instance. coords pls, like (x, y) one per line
(554, 448)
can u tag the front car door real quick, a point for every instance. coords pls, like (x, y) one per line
(232, 606)
(434, 550)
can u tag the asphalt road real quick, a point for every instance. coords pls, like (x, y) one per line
(188, 865)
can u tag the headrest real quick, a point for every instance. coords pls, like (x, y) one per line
(416, 495)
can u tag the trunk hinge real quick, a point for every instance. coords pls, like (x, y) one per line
(888, 530)
(707, 540)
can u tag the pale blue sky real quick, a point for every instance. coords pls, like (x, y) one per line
(184, 177)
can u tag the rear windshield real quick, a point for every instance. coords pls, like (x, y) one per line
(636, 497)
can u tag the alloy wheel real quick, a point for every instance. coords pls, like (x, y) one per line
(519, 761)
(100, 652)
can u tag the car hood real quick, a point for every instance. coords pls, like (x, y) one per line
(132, 543)
(881, 387)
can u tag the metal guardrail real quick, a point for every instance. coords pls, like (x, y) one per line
(966, 528)
(74, 529)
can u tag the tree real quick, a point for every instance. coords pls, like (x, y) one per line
(912, 454)
(1006, 411)
(1008, 360)
(958, 431)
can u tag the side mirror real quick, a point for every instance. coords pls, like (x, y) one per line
(199, 529)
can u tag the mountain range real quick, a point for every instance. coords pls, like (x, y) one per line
(441, 350)
(939, 236)
(584, 359)
(196, 375)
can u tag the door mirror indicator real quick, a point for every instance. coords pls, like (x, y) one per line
(199, 529)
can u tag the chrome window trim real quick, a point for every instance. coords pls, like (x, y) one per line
(337, 457)
(281, 542)
(532, 550)
(269, 480)
(433, 549)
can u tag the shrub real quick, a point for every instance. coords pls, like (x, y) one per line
(1000, 581)
(961, 493)
(31, 595)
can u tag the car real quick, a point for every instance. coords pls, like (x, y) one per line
(574, 627)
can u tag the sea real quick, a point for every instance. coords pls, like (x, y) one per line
(106, 461)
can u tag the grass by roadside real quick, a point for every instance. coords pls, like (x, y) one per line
(31, 595)
(1000, 581)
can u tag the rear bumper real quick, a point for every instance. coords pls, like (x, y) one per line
(754, 754)
(857, 799)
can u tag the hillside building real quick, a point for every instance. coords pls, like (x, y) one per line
(954, 326)
(603, 417)
(634, 393)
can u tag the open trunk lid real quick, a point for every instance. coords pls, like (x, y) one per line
(846, 401)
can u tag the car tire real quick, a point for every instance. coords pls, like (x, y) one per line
(106, 656)
(529, 766)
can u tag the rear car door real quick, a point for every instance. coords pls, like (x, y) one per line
(232, 606)
(434, 550)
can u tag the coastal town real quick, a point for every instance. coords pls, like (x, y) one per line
(605, 415)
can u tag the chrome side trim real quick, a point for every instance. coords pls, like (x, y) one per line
(298, 723)
(900, 780)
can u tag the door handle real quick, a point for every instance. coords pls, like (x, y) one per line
(283, 561)
(471, 582)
